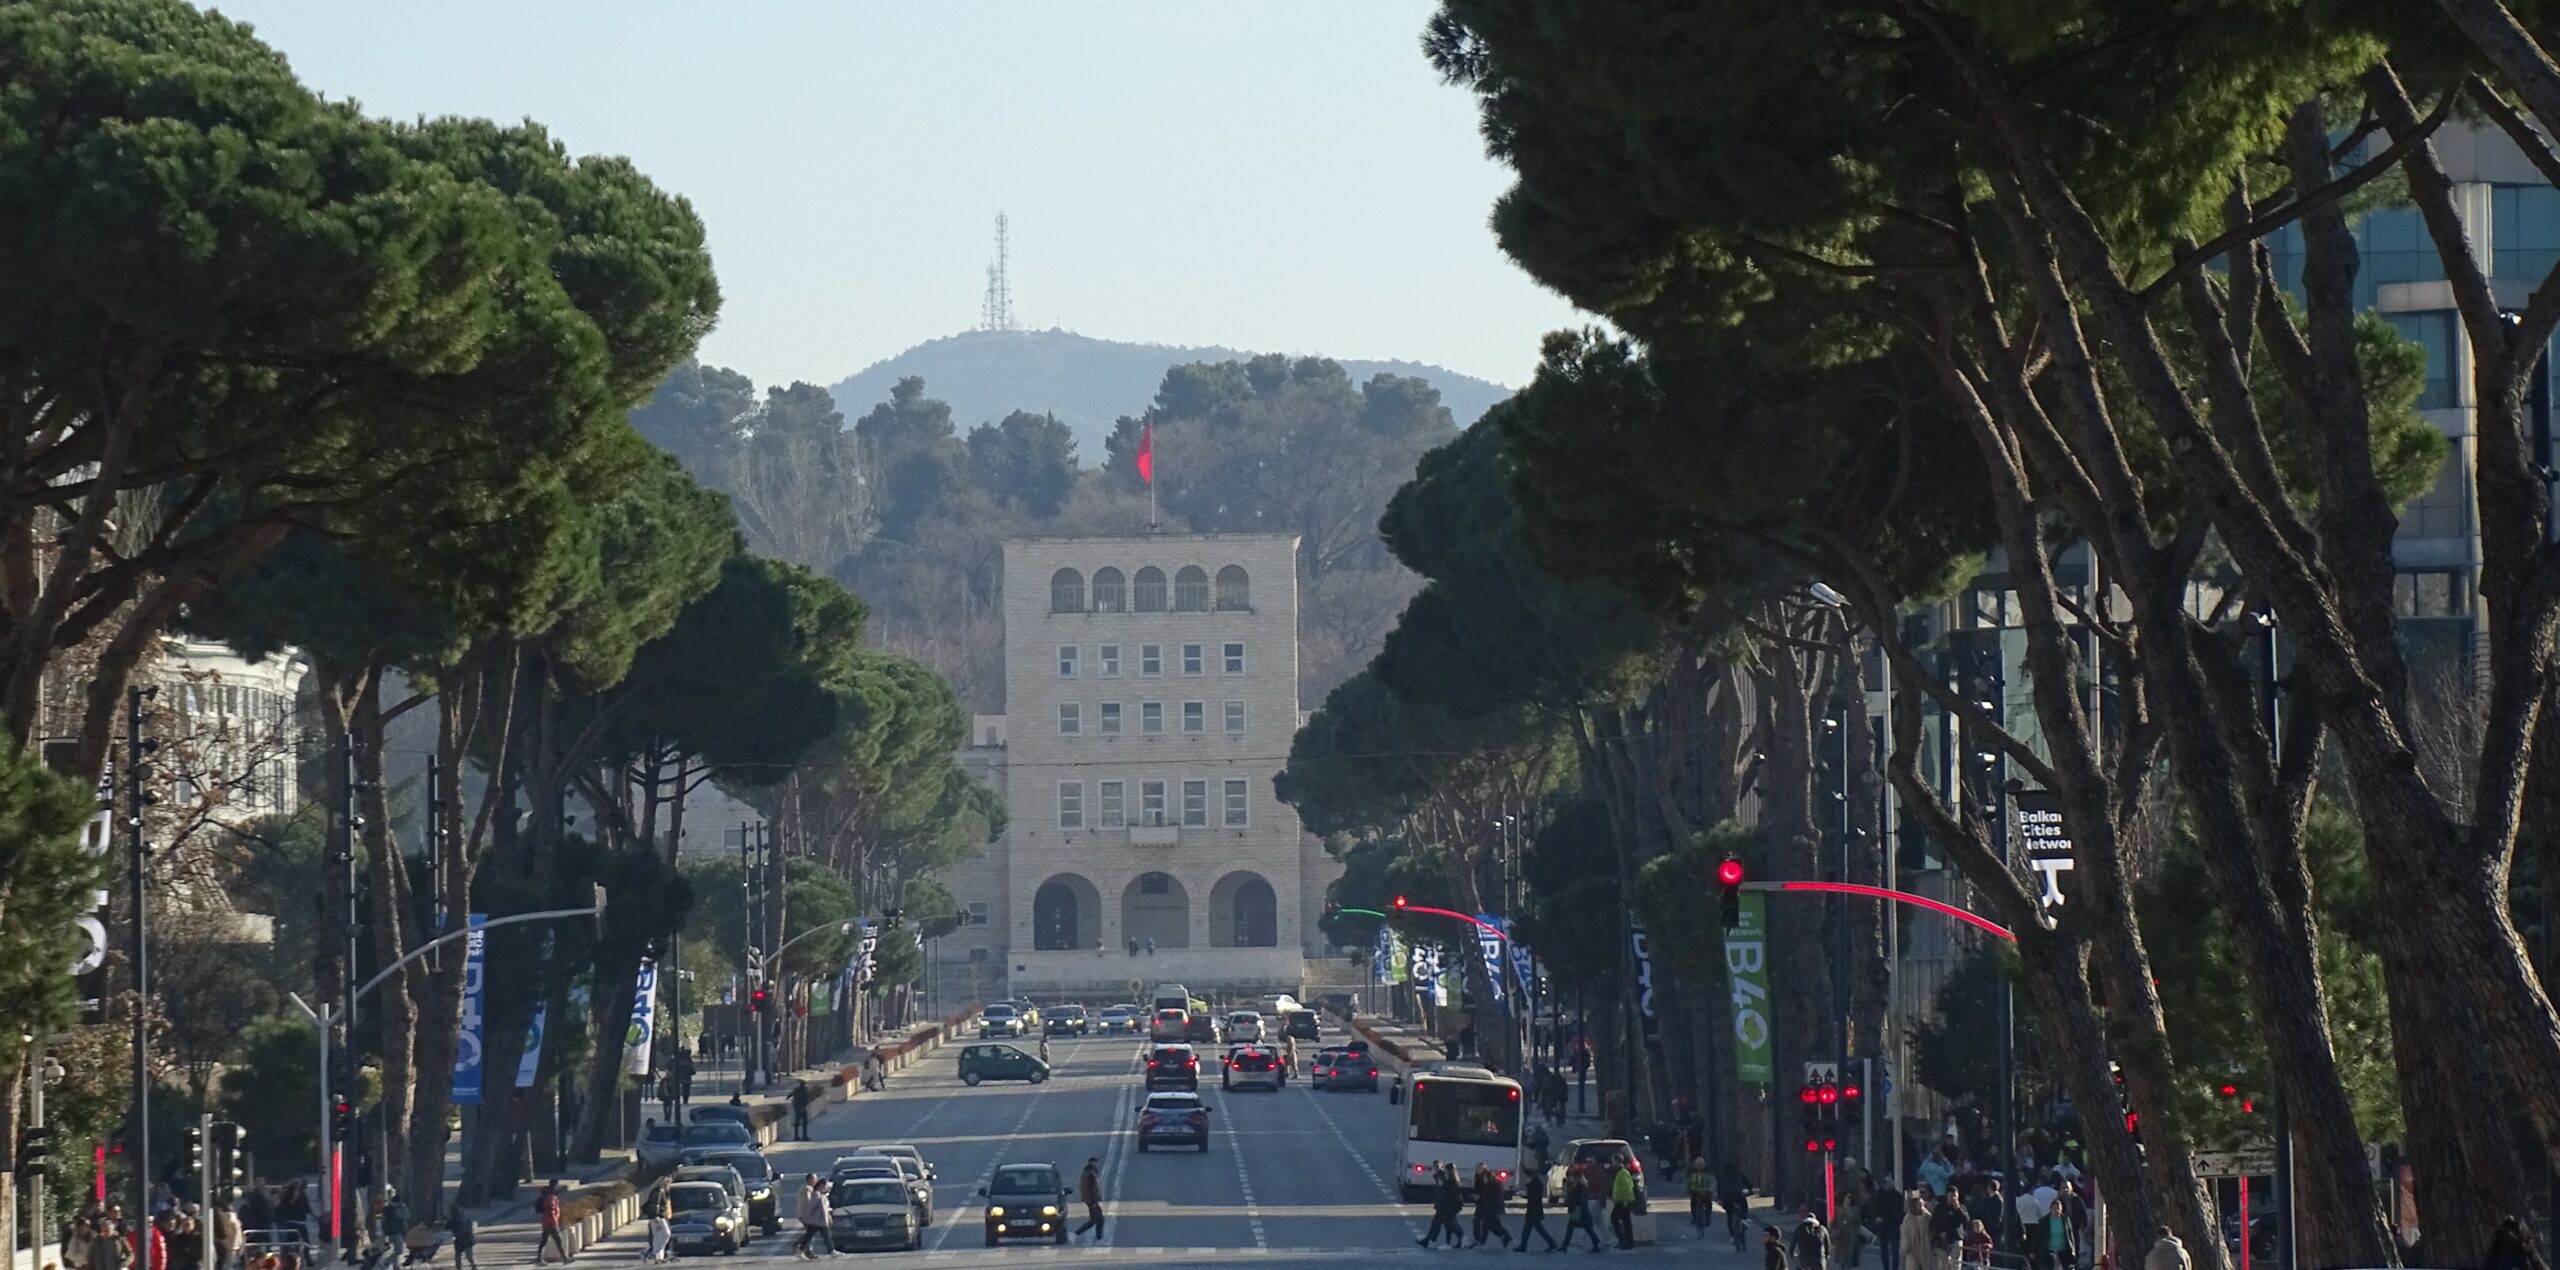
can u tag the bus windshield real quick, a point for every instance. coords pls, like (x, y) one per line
(1466, 1113)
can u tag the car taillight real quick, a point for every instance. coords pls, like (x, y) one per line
(1502, 1175)
(1635, 1166)
(1419, 1169)
(1194, 1062)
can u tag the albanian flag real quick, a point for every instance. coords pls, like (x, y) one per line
(1147, 453)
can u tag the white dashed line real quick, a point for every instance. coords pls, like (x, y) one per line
(1392, 1194)
(1252, 1210)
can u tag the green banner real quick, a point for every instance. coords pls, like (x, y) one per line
(1746, 964)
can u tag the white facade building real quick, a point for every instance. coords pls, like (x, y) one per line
(1151, 691)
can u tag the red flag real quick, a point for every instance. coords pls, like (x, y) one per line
(1147, 453)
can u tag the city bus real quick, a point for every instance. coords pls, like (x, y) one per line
(1461, 1114)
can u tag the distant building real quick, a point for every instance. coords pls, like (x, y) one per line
(1151, 685)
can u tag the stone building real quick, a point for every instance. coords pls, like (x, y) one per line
(1151, 690)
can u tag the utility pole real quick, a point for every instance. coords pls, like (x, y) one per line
(137, 850)
(351, 824)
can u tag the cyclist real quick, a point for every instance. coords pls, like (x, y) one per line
(1702, 1200)
(1733, 1190)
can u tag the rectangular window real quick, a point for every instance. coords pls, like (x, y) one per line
(1070, 718)
(1195, 804)
(1151, 804)
(1115, 814)
(1071, 804)
(978, 914)
(1235, 804)
(1235, 716)
(1191, 659)
(1110, 718)
(1235, 658)
(1195, 716)
(1151, 717)
(1109, 656)
(1066, 661)
(1151, 659)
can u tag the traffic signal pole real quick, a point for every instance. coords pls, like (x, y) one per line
(136, 851)
(328, 1163)
(204, 1184)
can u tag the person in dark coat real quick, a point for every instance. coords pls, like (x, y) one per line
(1533, 1213)
(1489, 1199)
(2510, 1249)
(1577, 1207)
(1445, 1203)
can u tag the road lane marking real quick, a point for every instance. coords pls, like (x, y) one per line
(1393, 1195)
(1252, 1210)
(1116, 1161)
(942, 1230)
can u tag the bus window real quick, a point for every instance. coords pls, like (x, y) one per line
(1474, 1115)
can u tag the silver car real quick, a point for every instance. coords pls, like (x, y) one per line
(705, 1217)
(872, 1212)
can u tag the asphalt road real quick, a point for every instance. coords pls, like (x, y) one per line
(1289, 1176)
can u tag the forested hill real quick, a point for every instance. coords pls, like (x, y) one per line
(1089, 382)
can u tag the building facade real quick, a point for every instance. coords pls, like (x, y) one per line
(1151, 691)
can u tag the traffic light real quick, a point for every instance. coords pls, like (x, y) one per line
(342, 1117)
(1729, 876)
(230, 1161)
(1331, 911)
(35, 1150)
(195, 1150)
(1400, 904)
(758, 1001)
(1847, 1111)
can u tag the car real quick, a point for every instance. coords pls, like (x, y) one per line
(999, 1062)
(1117, 1019)
(1253, 1067)
(764, 1199)
(902, 1151)
(1173, 1066)
(1204, 1028)
(728, 1179)
(659, 1144)
(1025, 1011)
(1345, 1069)
(1169, 1023)
(872, 1212)
(1065, 1020)
(999, 1020)
(1605, 1154)
(713, 1137)
(710, 1111)
(1025, 1201)
(1171, 1117)
(1278, 1004)
(705, 1217)
(909, 1173)
(1244, 1025)
(1300, 1025)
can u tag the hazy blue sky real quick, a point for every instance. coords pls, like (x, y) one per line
(1286, 176)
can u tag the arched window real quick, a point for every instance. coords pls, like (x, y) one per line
(1150, 590)
(1155, 912)
(1243, 912)
(1235, 590)
(1110, 593)
(1053, 918)
(1191, 589)
(1066, 591)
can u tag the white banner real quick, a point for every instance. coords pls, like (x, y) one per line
(644, 1020)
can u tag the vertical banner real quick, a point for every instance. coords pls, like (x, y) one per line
(1490, 942)
(1643, 948)
(1424, 966)
(466, 1053)
(530, 1066)
(1746, 966)
(2042, 839)
(644, 1020)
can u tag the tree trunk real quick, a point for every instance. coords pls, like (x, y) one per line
(616, 984)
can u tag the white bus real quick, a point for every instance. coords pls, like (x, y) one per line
(1461, 1114)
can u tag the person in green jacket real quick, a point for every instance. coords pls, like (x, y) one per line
(1622, 1206)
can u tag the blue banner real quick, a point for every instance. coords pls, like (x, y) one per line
(1490, 942)
(531, 1066)
(466, 1053)
(644, 1020)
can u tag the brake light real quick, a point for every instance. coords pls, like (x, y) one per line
(1515, 1095)
(1502, 1175)
(1193, 1061)
(1418, 1168)
(1635, 1165)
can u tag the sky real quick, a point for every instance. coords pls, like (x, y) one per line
(1274, 175)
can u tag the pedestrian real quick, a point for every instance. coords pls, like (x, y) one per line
(392, 1225)
(684, 1078)
(1946, 1230)
(662, 1236)
(1151, 945)
(1446, 1201)
(2166, 1253)
(1846, 1235)
(1935, 1172)
(1489, 1197)
(1466, 1040)
(226, 1237)
(801, 1096)
(107, 1249)
(667, 1095)
(257, 1211)
(1089, 1190)
(2053, 1242)
(1733, 1190)
(1808, 1243)
(813, 1219)
(293, 1212)
(1913, 1237)
(77, 1243)
(546, 1206)
(1977, 1246)
(1577, 1207)
(1773, 1253)
(1991, 1208)
(1622, 1205)
(466, 1237)
(2509, 1249)
(1533, 1213)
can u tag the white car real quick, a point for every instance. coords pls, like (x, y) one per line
(1243, 1026)
(1278, 1005)
(872, 1213)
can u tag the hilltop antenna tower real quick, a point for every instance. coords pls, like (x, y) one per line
(997, 312)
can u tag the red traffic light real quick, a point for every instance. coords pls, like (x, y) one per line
(1813, 1144)
(1806, 1095)
(1828, 1093)
(1848, 1093)
(1729, 872)
(2229, 1091)
(1399, 901)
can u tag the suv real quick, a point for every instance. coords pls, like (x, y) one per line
(999, 1020)
(1300, 1024)
(764, 1207)
(1253, 1067)
(999, 1062)
(1169, 1023)
(1345, 1069)
(1065, 1020)
(1179, 1118)
(1602, 1154)
(1173, 1067)
(1025, 1201)
(1244, 1025)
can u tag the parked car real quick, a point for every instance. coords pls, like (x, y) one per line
(764, 1206)
(872, 1212)
(1244, 1025)
(1065, 1020)
(712, 1137)
(1025, 1201)
(1253, 1067)
(659, 1144)
(1118, 1019)
(705, 1217)
(999, 1020)
(1172, 1117)
(1345, 1069)
(1301, 1025)
(1173, 1066)
(1605, 1154)
(999, 1062)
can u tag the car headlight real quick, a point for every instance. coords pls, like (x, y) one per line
(719, 1223)
(995, 1210)
(1050, 1211)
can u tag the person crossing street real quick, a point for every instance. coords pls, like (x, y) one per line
(1577, 1207)
(1089, 1190)
(1622, 1206)
(1533, 1214)
(813, 1220)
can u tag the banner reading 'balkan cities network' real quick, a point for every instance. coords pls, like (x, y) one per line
(1746, 964)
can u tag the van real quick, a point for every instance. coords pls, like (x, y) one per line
(1172, 996)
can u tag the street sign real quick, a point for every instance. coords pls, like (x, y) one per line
(1822, 1073)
